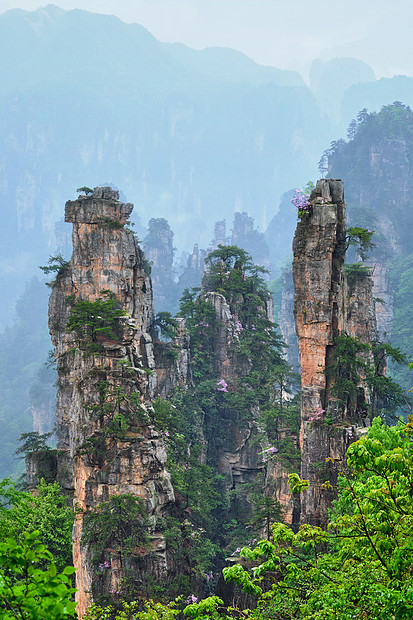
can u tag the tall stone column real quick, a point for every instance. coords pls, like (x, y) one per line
(325, 307)
(319, 249)
(116, 378)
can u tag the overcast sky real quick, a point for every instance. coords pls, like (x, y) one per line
(284, 33)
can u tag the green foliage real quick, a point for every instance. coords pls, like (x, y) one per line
(33, 442)
(355, 270)
(45, 510)
(120, 523)
(348, 366)
(393, 122)
(136, 610)
(84, 190)
(115, 412)
(386, 394)
(111, 224)
(56, 264)
(230, 271)
(193, 537)
(280, 412)
(166, 324)
(209, 608)
(197, 421)
(187, 303)
(265, 511)
(355, 364)
(147, 266)
(297, 484)
(28, 592)
(361, 567)
(94, 321)
(360, 238)
(374, 194)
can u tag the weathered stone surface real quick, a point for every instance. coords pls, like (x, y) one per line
(102, 205)
(240, 455)
(237, 452)
(319, 248)
(384, 298)
(40, 464)
(324, 308)
(106, 257)
(172, 370)
(286, 320)
(159, 251)
(195, 267)
(361, 309)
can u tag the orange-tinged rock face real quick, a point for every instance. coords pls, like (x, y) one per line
(106, 256)
(324, 308)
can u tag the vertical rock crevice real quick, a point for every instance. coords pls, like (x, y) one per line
(106, 444)
(325, 307)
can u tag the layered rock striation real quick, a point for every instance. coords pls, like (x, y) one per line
(107, 446)
(326, 307)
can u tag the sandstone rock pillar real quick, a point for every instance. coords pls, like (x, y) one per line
(319, 250)
(327, 306)
(116, 378)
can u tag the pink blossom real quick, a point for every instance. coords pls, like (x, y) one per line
(191, 599)
(222, 385)
(317, 415)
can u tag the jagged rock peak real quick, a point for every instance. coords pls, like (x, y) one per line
(102, 204)
(328, 191)
(326, 307)
(97, 460)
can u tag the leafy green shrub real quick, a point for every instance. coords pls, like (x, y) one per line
(111, 224)
(136, 610)
(92, 320)
(355, 270)
(84, 190)
(361, 566)
(28, 592)
(360, 238)
(56, 264)
(121, 523)
(45, 510)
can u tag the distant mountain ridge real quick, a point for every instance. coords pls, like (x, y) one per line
(191, 136)
(187, 135)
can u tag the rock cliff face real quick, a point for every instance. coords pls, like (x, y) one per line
(191, 276)
(377, 164)
(106, 444)
(325, 307)
(159, 252)
(382, 291)
(239, 450)
(238, 455)
(286, 320)
(245, 235)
